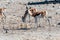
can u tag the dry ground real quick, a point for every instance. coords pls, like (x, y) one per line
(14, 11)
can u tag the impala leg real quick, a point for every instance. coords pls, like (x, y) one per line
(39, 20)
(29, 18)
(36, 21)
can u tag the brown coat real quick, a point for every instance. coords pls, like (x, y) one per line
(33, 12)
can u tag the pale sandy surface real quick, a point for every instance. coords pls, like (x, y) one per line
(45, 32)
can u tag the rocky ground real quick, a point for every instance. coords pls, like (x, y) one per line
(13, 22)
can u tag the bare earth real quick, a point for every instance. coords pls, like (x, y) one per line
(15, 10)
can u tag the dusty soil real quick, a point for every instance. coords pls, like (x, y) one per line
(14, 12)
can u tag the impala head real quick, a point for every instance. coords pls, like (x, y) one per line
(1, 11)
(2, 8)
(32, 11)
